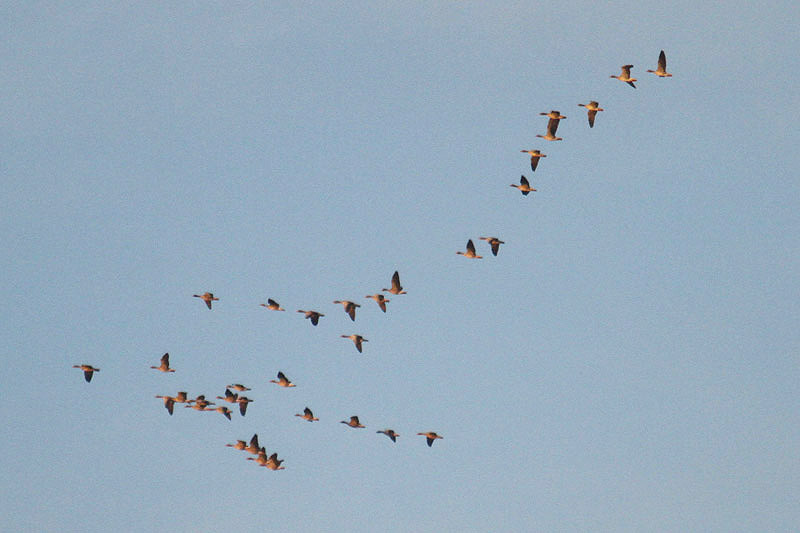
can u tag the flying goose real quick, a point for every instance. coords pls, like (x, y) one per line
(470, 253)
(661, 70)
(494, 242)
(380, 299)
(349, 308)
(592, 109)
(396, 287)
(353, 423)
(313, 316)
(431, 436)
(625, 75)
(389, 433)
(524, 186)
(164, 364)
(243, 401)
(207, 297)
(282, 380)
(169, 403)
(535, 156)
(307, 415)
(272, 305)
(357, 340)
(88, 371)
(552, 126)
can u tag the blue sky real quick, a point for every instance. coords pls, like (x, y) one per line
(628, 362)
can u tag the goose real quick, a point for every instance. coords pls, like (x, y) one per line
(221, 409)
(396, 287)
(253, 446)
(282, 380)
(272, 305)
(494, 242)
(431, 436)
(535, 156)
(552, 126)
(273, 463)
(307, 415)
(592, 109)
(313, 316)
(357, 340)
(239, 445)
(200, 403)
(230, 397)
(661, 70)
(470, 253)
(625, 75)
(181, 397)
(554, 115)
(349, 308)
(238, 387)
(243, 401)
(389, 433)
(380, 299)
(207, 297)
(260, 457)
(164, 364)
(169, 403)
(88, 371)
(524, 186)
(353, 423)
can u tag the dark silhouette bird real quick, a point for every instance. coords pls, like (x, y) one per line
(524, 186)
(430, 436)
(221, 409)
(307, 415)
(282, 380)
(389, 433)
(272, 305)
(625, 75)
(88, 371)
(207, 297)
(470, 253)
(661, 70)
(535, 156)
(357, 340)
(164, 364)
(313, 316)
(494, 242)
(396, 287)
(592, 108)
(349, 308)
(353, 423)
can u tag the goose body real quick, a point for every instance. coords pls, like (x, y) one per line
(380, 299)
(272, 305)
(313, 316)
(470, 253)
(430, 436)
(88, 371)
(349, 308)
(207, 297)
(524, 186)
(389, 433)
(535, 156)
(494, 242)
(353, 423)
(169, 403)
(661, 69)
(396, 287)
(552, 127)
(357, 340)
(307, 415)
(592, 108)
(625, 75)
(282, 380)
(164, 367)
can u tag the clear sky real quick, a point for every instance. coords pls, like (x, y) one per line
(630, 361)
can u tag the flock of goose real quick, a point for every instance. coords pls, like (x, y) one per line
(233, 392)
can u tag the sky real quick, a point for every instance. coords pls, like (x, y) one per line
(629, 361)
